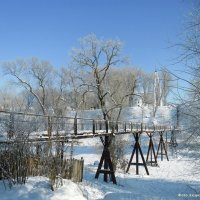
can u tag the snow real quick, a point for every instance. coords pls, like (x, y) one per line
(170, 180)
(178, 178)
(38, 188)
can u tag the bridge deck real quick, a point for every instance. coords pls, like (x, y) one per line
(81, 135)
(42, 128)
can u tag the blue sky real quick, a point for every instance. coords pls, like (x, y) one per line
(48, 29)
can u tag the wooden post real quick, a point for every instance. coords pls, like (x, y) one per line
(125, 127)
(49, 131)
(93, 126)
(75, 126)
(137, 150)
(106, 124)
(131, 124)
(177, 116)
(106, 160)
(62, 153)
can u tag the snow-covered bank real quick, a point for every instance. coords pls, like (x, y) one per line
(38, 188)
(169, 181)
(173, 179)
(177, 178)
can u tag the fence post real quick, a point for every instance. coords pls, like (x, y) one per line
(106, 126)
(125, 127)
(62, 153)
(93, 126)
(75, 126)
(82, 166)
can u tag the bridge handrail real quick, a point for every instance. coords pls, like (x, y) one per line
(143, 126)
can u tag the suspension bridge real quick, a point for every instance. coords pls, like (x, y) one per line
(21, 127)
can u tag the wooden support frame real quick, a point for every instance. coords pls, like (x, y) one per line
(136, 150)
(106, 159)
(162, 147)
(151, 152)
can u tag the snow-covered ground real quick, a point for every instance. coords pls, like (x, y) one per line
(173, 179)
(178, 178)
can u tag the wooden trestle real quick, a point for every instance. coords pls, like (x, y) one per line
(136, 150)
(161, 147)
(108, 169)
(151, 152)
(106, 159)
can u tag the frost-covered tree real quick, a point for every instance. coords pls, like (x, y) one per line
(94, 60)
(32, 75)
(43, 86)
(190, 104)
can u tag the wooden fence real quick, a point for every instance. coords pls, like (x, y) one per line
(73, 169)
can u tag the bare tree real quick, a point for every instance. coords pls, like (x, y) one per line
(95, 60)
(189, 57)
(73, 94)
(97, 57)
(10, 101)
(34, 76)
(145, 84)
(120, 85)
(190, 45)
